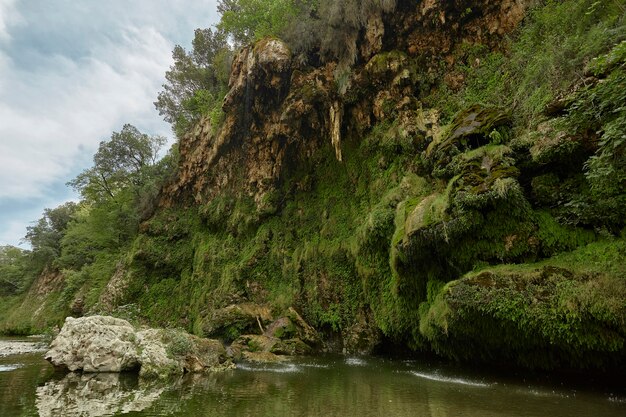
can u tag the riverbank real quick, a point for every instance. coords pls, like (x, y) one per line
(21, 346)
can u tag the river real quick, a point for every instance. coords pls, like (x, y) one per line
(324, 386)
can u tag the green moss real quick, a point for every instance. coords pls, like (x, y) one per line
(567, 311)
(556, 238)
(386, 61)
(178, 343)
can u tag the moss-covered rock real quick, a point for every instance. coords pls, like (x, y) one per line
(568, 312)
(231, 321)
(472, 128)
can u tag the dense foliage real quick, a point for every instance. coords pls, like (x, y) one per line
(15, 270)
(197, 82)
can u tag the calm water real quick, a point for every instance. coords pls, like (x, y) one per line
(331, 386)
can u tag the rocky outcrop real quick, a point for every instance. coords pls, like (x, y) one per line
(270, 109)
(432, 28)
(289, 335)
(277, 114)
(107, 344)
(386, 204)
(555, 315)
(95, 344)
(229, 322)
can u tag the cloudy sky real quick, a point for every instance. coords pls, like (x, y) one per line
(72, 72)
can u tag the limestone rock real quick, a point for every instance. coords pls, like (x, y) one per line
(281, 328)
(287, 336)
(363, 336)
(262, 67)
(262, 357)
(107, 344)
(374, 32)
(304, 330)
(255, 348)
(95, 344)
(174, 352)
(291, 347)
(470, 129)
(233, 320)
(255, 343)
(155, 359)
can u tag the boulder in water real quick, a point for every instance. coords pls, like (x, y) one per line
(108, 344)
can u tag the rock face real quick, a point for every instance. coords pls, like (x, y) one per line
(95, 344)
(108, 344)
(287, 336)
(346, 194)
(231, 321)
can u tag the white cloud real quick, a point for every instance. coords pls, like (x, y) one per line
(8, 17)
(48, 120)
(70, 74)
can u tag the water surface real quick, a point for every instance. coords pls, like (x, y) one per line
(328, 386)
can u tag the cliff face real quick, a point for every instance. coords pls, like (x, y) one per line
(278, 113)
(400, 201)
(341, 193)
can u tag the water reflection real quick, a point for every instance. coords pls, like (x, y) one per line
(320, 387)
(95, 395)
(330, 386)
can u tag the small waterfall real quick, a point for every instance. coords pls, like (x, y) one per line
(336, 114)
(248, 93)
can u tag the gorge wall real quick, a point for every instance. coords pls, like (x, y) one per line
(356, 197)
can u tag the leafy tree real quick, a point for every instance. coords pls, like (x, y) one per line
(118, 191)
(197, 82)
(327, 28)
(121, 162)
(106, 226)
(45, 235)
(14, 277)
(249, 20)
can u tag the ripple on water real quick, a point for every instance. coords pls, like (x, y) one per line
(10, 367)
(287, 368)
(356, 362)
(617, 400)
(315, 365)
(440, 378)
(544, 393)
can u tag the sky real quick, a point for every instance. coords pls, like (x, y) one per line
(71, 73)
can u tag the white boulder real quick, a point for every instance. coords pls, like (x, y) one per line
(95, 344)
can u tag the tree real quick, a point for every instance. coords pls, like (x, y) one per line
(118, 191)
(45, 235)
(14, 277)
(327, 28)
(121, 162)
(197, 82)
(249, 20)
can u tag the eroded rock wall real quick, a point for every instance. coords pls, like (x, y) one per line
(277, 113)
